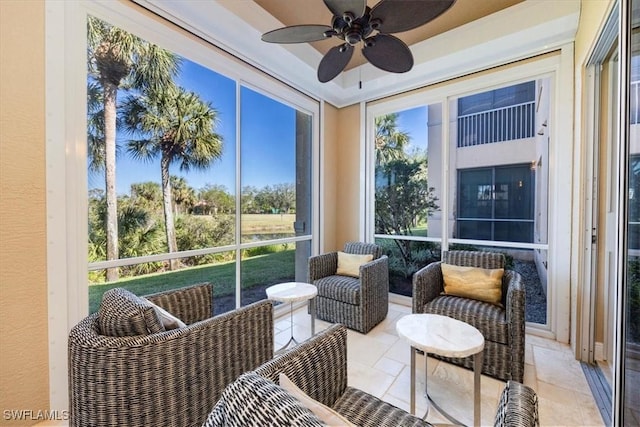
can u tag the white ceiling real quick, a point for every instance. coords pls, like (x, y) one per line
(511, 33)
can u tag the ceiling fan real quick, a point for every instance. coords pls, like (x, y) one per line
(354, 22)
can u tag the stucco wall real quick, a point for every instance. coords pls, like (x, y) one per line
(329, 178)
(348, 194)
(24, 383)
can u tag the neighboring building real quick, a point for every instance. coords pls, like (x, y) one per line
(498, 162)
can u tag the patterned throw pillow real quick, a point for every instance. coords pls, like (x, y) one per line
(124, 314)
(254, 401)
(328, 415)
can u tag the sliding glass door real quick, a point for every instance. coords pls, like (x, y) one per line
(628, 412)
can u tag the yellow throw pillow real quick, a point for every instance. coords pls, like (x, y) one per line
(349, 264)
(326, 414)
(472, 282)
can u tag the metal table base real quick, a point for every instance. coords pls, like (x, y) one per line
(477, 368)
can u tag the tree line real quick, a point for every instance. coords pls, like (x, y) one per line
(204, 219)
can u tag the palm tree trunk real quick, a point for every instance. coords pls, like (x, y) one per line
(168, 211)
(110, 95)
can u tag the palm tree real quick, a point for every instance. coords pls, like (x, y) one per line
(184, 196)
(179, 128)
(118, 59)
(389, 141)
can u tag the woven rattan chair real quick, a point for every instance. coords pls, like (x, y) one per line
(503, 327)
(359, 303)
(169, 378)
(518, 406)
(319, 368)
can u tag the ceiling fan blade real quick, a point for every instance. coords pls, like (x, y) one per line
(297, 34)
(340, 7)
(388, 53)
(334, 62)
(403, 15)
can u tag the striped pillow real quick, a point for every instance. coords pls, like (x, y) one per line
(123, 313)
(254, 401)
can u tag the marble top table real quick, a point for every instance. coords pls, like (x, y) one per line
(294, 292)
(446, 337)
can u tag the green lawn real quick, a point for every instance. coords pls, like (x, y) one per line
(258, 270)
(267, 223)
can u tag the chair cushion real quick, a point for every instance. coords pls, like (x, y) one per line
(489, 319)
(349, 264)
(252, 400)
(366, 410)
(339, 288)
(472, 282)
(122, 313)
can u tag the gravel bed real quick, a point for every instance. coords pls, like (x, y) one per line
(536, 302)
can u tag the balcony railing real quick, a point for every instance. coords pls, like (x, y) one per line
(501, 124)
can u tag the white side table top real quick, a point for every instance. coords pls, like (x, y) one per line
(440, 335)
(292, 292)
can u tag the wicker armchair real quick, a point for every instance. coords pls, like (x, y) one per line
(319, 367)
(503, 327)
(167, 378)
(358, 303)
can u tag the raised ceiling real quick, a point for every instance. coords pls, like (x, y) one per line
(473, 35)
(315, 12)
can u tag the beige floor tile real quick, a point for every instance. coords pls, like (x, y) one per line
(401, 387)
(528, 353)
(389, 366)
(579, 404)
(368, 379)
(383, 337)
(546, 343)
(379, 363)
(559, 368)
(400, 308)
(530, 377)
(400, 352)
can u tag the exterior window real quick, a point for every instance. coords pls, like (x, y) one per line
(496, 204)
(499, 115)
(407, 209)
(495, 196)
(164, 176)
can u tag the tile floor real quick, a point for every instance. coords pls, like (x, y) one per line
(379, 364)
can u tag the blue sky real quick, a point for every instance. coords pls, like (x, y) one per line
(267, 130)
(414, 122)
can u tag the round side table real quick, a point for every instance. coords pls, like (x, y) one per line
(444, 336)
(293, 292)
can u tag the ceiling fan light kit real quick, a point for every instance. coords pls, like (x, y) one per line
(354, 22)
